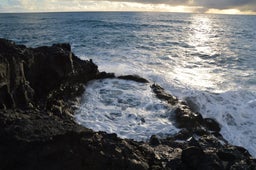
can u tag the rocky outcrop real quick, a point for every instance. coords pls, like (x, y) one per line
(184, 115)
(29, 75)
(39, 88)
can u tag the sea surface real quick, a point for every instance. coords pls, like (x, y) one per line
(207, 60)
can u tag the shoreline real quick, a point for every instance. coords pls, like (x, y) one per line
(39, 88)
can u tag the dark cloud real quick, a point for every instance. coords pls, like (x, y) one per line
(227, 4)
(205, 4)
(170, 2)
(250, 6)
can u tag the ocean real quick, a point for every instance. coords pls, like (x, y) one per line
(207, 60)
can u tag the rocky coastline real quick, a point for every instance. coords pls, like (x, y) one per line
(39, 89)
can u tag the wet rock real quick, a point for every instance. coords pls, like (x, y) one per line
(161, 94)
(193, 142)
(6, 99)
(142, 120)
(211, 124)
(137, 165)
(226, 155)
(154, 141)
(185, 118)
(134, 78)
(192, 156)
(103, 75)
(65, 46)
(210, 161)
(57, 110)
(242, 165)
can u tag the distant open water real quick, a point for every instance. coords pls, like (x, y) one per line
(208, 60)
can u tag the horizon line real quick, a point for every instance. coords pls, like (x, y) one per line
(95, 11)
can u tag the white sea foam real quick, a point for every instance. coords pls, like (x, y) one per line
(212, 93)
(235, 111)
(126, 108)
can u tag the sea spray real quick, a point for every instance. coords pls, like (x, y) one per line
(127, 108)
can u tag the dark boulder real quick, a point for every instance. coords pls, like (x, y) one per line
(211, 124)
(185, 118)
(154, 141)
(161, 94)
(134, 78)
(192, 156)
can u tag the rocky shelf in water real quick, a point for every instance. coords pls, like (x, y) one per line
(39, 89)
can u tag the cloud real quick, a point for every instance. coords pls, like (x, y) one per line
(10, 6)
(243, 5)
(227, 4)
(217, 4)
(93, 5)
(205, 4)
(144, 5)
(169, 2)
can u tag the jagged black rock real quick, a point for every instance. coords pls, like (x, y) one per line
(39, 89)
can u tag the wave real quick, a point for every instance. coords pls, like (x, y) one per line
(234, 110)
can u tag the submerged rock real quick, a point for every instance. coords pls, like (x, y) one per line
(38, 90)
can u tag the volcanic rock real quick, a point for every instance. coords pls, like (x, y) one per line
(134, 78)
(39, 91)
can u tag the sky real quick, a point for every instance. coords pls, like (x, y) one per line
(196, 6)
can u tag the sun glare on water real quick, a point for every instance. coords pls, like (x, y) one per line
(197, 70)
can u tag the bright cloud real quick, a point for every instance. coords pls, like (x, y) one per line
(208, 6)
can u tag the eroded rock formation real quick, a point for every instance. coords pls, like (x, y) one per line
(39, 88)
